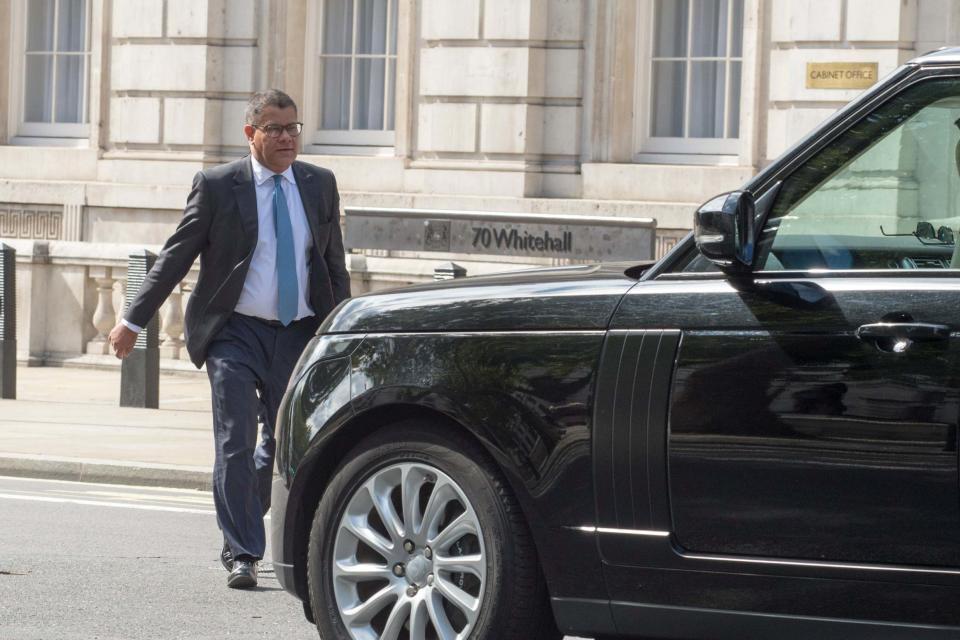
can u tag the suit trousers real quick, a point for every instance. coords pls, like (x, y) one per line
(249, 362)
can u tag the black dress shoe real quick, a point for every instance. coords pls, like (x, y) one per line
(226, 557)
(243, 575)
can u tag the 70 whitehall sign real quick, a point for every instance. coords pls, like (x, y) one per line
(595, 238)
(500, 239)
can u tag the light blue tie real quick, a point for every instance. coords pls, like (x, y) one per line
(288, 291)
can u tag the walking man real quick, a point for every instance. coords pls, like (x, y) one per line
(267, 231)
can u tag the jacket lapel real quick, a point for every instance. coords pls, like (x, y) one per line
(312, 199)
(246, 194)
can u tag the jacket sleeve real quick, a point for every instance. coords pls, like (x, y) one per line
(333, 253)
(177, 255)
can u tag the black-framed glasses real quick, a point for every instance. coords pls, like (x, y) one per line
(274, 130)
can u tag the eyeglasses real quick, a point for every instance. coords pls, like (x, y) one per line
(274, 130)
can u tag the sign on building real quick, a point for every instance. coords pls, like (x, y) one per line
(594, 238)
(841, 75)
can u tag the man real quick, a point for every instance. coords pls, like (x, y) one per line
(267, 231)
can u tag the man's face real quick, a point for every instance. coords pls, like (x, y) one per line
(276, 154)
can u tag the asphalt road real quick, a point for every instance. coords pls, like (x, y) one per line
(107, 562)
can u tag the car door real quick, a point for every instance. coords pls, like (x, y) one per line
(785, 441)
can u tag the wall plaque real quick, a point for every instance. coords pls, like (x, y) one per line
(841, 75)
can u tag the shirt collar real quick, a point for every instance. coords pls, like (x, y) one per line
(261, 174)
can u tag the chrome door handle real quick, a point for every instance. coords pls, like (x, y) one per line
(897, 337)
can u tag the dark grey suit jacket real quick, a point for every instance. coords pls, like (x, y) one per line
(220, 225)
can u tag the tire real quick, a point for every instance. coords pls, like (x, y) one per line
(384, 562)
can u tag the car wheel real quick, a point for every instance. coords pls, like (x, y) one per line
(417, 537)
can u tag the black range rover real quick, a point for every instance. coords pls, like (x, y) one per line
(755, 437)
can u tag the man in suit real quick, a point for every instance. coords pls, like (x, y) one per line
(267, 230)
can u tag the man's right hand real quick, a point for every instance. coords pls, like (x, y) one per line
(122, 340)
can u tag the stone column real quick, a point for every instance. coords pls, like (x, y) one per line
(172, 343)
(104, 316)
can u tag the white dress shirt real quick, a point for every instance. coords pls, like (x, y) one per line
(259, 295)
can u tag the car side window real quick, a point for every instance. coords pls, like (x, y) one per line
(883, 195)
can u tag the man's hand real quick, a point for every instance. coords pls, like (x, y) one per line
(122, 340)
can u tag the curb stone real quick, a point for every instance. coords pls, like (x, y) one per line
(105, 471)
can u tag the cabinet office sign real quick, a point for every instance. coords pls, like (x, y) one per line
(507, 234)
(841, 75)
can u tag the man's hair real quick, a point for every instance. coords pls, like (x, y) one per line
(263, 99)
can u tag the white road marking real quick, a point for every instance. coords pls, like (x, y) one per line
(27, 479)
(101, 503)
(119, 495)
(110, 495)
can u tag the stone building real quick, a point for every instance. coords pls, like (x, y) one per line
(628, 108)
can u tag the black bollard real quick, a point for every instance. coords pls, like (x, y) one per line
(8, 322)
(140, 371)
(449, 271)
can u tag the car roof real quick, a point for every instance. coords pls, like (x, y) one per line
(944, 55)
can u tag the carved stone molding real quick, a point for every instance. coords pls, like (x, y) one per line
(36, 222)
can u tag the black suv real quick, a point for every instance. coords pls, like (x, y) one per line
(755, 437)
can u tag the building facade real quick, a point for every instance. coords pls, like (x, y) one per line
(629, 108)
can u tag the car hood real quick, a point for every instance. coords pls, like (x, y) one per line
(581, 297)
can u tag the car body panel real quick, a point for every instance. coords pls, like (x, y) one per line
(526, 397)
(566, 298)
(796, 452)
(525, 394)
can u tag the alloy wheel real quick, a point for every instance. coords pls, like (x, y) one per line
(409, 561)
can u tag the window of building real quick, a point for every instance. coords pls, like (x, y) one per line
(694, 77)
(353, 80)
(53, 96)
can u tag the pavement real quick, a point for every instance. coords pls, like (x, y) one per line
(67, 424)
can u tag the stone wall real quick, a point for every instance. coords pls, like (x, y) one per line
(508, 121)
(180, 74)
(805, 31)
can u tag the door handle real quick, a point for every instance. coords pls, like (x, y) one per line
(896, 337)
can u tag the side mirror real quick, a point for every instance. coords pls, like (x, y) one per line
(724, 230)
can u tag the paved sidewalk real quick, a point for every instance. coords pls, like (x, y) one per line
(66, 423)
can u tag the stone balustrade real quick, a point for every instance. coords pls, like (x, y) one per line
(71, 294)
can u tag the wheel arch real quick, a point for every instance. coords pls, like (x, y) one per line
(325, 454)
